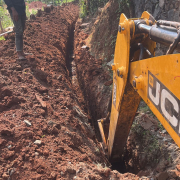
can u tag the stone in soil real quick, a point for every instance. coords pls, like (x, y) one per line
(27, 123)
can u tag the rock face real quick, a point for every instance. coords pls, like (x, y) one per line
(160, 9)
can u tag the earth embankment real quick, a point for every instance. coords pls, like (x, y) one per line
(44, 131)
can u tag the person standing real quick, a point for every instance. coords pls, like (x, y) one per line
(17, 10)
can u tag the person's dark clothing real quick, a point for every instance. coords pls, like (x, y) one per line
(19, 5)
(19, 29)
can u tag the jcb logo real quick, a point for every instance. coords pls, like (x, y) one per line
(166, 102)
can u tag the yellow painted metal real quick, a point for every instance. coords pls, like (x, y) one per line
(125, 99)
(138, 82)
(156, 80)
(167, 70)
(145, 15)
(121, 58)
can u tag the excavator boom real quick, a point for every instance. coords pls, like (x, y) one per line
(137, 74)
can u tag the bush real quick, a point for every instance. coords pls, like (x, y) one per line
(90, 6)
(5, 17)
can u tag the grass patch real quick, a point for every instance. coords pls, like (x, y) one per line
(2, 38)
(5, 17)
(148, 143)
(67, 1)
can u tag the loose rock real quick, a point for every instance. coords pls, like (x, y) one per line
(27, 123)
(37, 142)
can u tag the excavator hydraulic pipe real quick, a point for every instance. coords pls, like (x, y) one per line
(168, 23)
(162, 35)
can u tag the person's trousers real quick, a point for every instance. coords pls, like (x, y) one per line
(19, 30)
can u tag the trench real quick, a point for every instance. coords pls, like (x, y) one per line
(73, 74)
(75, 78)
(90, 106)
(70, 63)
(70, 50)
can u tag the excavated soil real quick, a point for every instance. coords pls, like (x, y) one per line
(150, 152)
(44, 131)
(93, 79)
(36, 5)
(50, 103)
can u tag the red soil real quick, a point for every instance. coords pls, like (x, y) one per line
(39, 91)
(94, 79)
(36, 5)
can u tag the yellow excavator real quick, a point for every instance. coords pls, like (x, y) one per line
(137, 74)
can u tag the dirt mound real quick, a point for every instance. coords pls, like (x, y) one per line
(36, 5)
(45, 131)
(45, 134)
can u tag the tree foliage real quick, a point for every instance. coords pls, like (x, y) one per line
(5, 17)
(91, 6)
(54, 2)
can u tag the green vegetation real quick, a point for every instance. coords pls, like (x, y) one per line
(6, 19)
(2, 38)
(148, 143)
(90, 6)
(34, 11)
(54, 2)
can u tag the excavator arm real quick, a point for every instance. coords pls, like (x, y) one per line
(137, 74)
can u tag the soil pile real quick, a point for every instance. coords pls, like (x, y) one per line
(36, 5)
(45, 133)
(44, 117)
